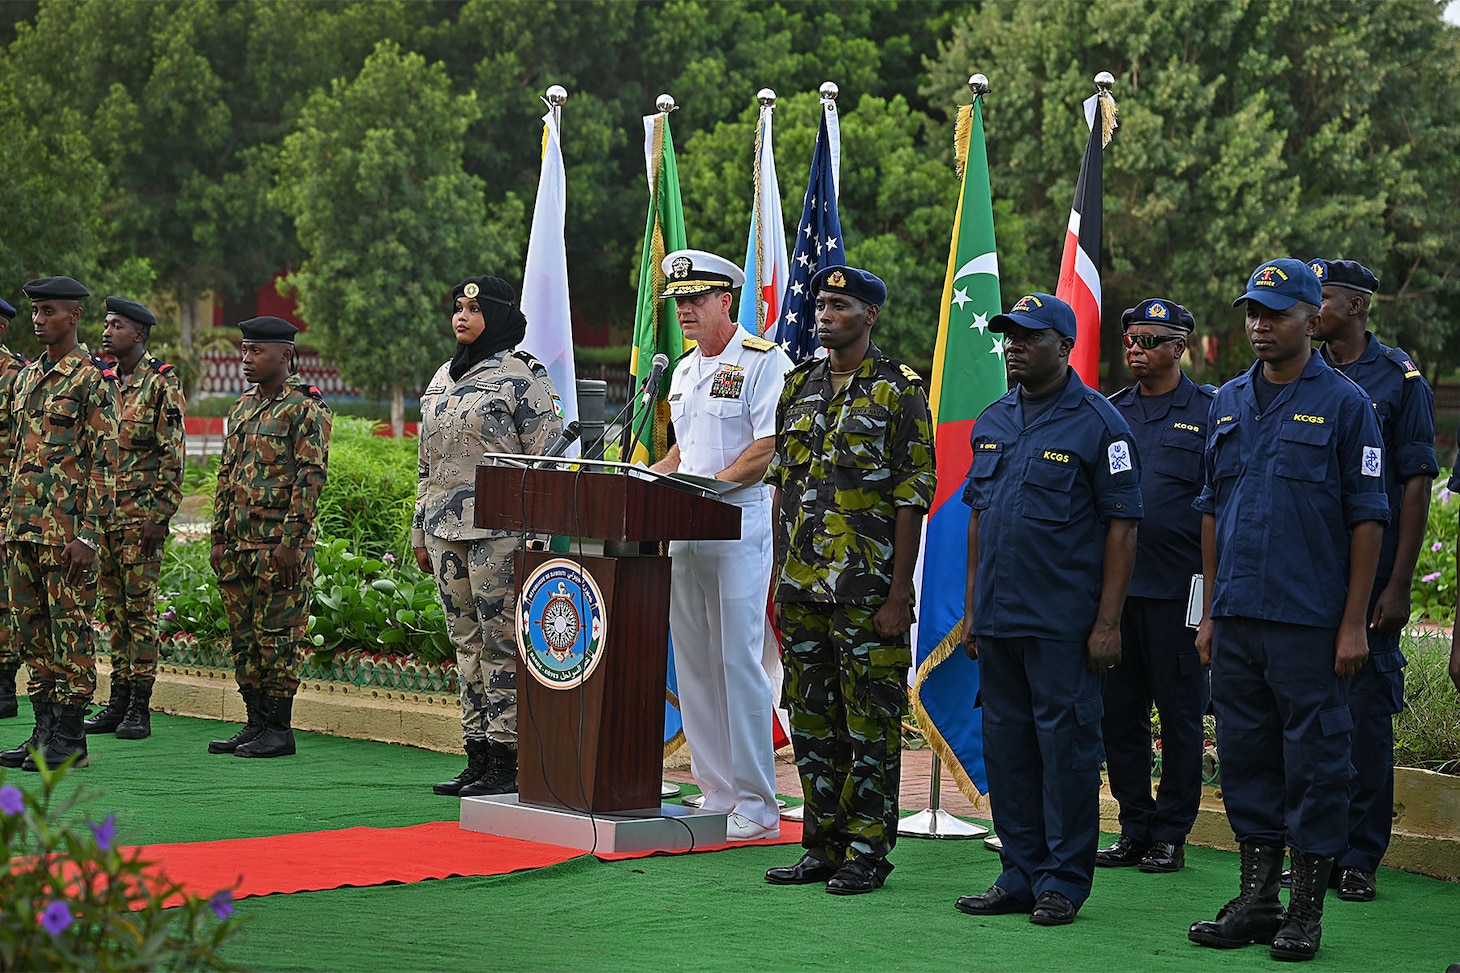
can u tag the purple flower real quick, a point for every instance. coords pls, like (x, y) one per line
(1431, 577)
(1445, 494)
(104, 832)
(389, 558)
(56, 918)
(169, 614)
(221, 903)
(12, 802)
(1437, 546)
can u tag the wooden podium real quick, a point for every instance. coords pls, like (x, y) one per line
(596, 744)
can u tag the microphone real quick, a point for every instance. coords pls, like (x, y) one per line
(656, 375)
(566, 438)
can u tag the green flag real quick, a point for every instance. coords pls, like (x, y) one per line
(968, 374)
(656, 329)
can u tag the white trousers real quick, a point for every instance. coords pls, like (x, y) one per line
(717, 618)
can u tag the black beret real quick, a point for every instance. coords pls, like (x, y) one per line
(130, 310)
(1158, 310)
(268, 330)
(7, 310)
(1345, 273)
(65, 288)
(852, 282)
(485, 289)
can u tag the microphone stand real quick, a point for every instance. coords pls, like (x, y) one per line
(598, 443)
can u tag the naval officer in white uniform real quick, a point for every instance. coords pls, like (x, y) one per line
(722, 401)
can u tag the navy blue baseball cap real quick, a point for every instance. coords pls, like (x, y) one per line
(7, 310)
(1158, 310)
(1279, 284)
(1345, 273)
(1037, 312)
(865, 287)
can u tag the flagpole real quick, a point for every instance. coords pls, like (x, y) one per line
(554, 98)
(933, 821)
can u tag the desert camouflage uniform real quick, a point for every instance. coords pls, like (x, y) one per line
(61, 487)
(274, 465)
(10, 366)
(149, 488)
(503, 404)
(844, 463)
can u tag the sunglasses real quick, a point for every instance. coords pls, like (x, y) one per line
(1148, 341)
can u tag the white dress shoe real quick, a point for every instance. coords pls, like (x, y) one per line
(740, 828)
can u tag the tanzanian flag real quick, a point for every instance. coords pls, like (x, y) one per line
(968, 374)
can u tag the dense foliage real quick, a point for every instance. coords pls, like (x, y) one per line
(205, 145)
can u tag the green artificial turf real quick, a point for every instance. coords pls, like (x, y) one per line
(168, 788)
(714, 912)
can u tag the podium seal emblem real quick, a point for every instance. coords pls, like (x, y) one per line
(560, 624)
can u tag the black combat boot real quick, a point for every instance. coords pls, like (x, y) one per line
(253, 704)
(138, 724)
(1302, 930)
(1256, 913)
(477, 762)
(45, 723)
(115, 711)
(277, 739)
(9, 705)
(501, 773)
(67, 739)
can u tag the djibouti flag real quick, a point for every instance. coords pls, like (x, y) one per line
(968, 374)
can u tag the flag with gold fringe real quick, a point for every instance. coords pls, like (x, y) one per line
(1079, 282)
(968, 374)
(656, 329)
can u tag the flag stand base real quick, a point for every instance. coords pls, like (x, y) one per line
(934, 822)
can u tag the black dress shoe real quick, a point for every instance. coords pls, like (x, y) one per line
(1053, 909)
(854, 878)
(807, 871)
(1124, 853)
(995, 902)
(1163, 857)
(1356, 885)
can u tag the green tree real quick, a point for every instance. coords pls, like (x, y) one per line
(388, 219)
(1248, 130)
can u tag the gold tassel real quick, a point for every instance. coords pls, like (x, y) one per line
(962, 131)
(1109, 120)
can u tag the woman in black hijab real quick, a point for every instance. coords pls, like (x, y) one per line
(486, 399)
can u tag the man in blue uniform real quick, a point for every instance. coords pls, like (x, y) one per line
(1167, 413)
(1055, 491)
(1293, 513)
(1404, 405)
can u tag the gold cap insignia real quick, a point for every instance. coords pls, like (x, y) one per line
(1317, 269)
(837, 279)
(1158, 311)
(471, 290)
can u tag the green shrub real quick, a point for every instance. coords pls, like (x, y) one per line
(1433, 592)
(73, 901)
(371, 493)
(1427, 731)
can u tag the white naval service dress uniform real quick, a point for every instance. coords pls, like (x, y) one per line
(717, 601)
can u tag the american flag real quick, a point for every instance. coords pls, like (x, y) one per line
(818, 244)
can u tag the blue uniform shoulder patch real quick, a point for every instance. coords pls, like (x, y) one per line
(107, 372)
(1402, 360)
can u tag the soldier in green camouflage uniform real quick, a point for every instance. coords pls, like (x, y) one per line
(149, 488)
(273, 470)
(60, 495)
(486, 399)
(854, 476)
(10, 366)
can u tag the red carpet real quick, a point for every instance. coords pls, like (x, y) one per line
(358, 857)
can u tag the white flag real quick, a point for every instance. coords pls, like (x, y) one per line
(545, 279)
